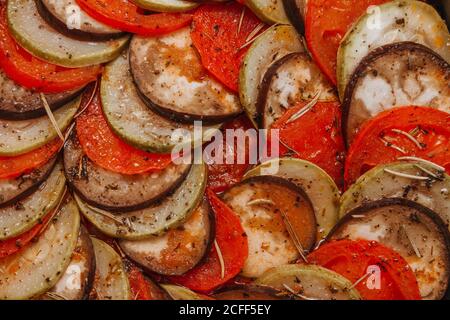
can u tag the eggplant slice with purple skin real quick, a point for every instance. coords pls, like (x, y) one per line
(116, 192)
(398, 74)
(296, 13)
(250, 292)
(172, 81)
(414, 231)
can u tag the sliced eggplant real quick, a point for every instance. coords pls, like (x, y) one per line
(173, 82)
(274, 44)
(33, 33)
(399, 74)
(250, 292)
(67, 17)
(113, 191)
(19, 137)
(157, 219)
(26, 213)
(394, 21)
(270, 11)
(291, 79)
(166, 5)
(309, 282)
(278, 219)
(177, 251)
(317, 184)
(296, 13)
(414, 231)
(132, 120)
(111, 281)
(181, 293)
(39, 266)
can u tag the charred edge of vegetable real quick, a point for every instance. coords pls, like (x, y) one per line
(75, 34)
(370, 58)
(295, 15)
(251, 288)
(442, 9)
(92, 263)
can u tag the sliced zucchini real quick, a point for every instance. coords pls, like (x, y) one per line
(291, 79)
(296, 13)
(173, 82)
(39, 266)
(166, 5)
(25, 214)
(181, 293)
(19, 137)
(274, 44)
(157, 219)
(309, 282)
(39, 38)
(278, 220)
(414, 231)
(394, 21)
(250, 292)
(399, 74)
(317, 184)
(111, 281)
(270, 11)
(113, 191)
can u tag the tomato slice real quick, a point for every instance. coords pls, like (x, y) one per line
(138, 285)
(232, 241)
(392, 277)
(33, 73)
(327, 22)
(406, 131)
(103, 147)
(315, 136)
(126, 16)
(219, 34)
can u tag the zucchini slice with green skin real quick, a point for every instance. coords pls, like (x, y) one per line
(25, 214)
(171, 212)
(34, 34)
(111, 280)
(19, 137)
(317, 184)
(276, 42)
(166, 5)
(250, 292)
(309, 282)
(417, 233)
(394, 21)
(38, 267)
(181, 293)
(177, 251)
(270, 11)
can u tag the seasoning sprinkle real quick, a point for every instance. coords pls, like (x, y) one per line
(51, 116)
(222, 263)
(405, 175)
(410, 137)
(306, 108)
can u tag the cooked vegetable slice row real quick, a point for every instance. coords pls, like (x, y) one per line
(113, 191)
(19, 137)
(394, 21)
(309, 282)
(271, 11)
(166, 5)
(250, 292)
(414, 231)
(39, 266)
(173, 82)
(39, 38)
(180, 249)
(156, 219)
(278, 219)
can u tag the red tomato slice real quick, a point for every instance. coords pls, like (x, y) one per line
(232, 241)
(383, 139)
(218, 34)
(327, 21)
(36, 74)
(138, 285)
(315, 136)
(13, 167)
(103, 147)
(126, 16)
(353, 259)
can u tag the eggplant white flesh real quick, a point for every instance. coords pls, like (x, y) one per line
(414, 231)
(250, 292)
(34, 34)
(394, 21)
(26, 213)
(270, 11)
(111, 280)
(38, 267)
(291, 79)
(167, 214)
(271, 209)
(113, 191)
(181, 293)
(275, 43)
(309, 282)
(19, 137)
(166, 5)
(317, 184)
(296, 13)
(399, 74)
(177, 251)
(173, 82)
